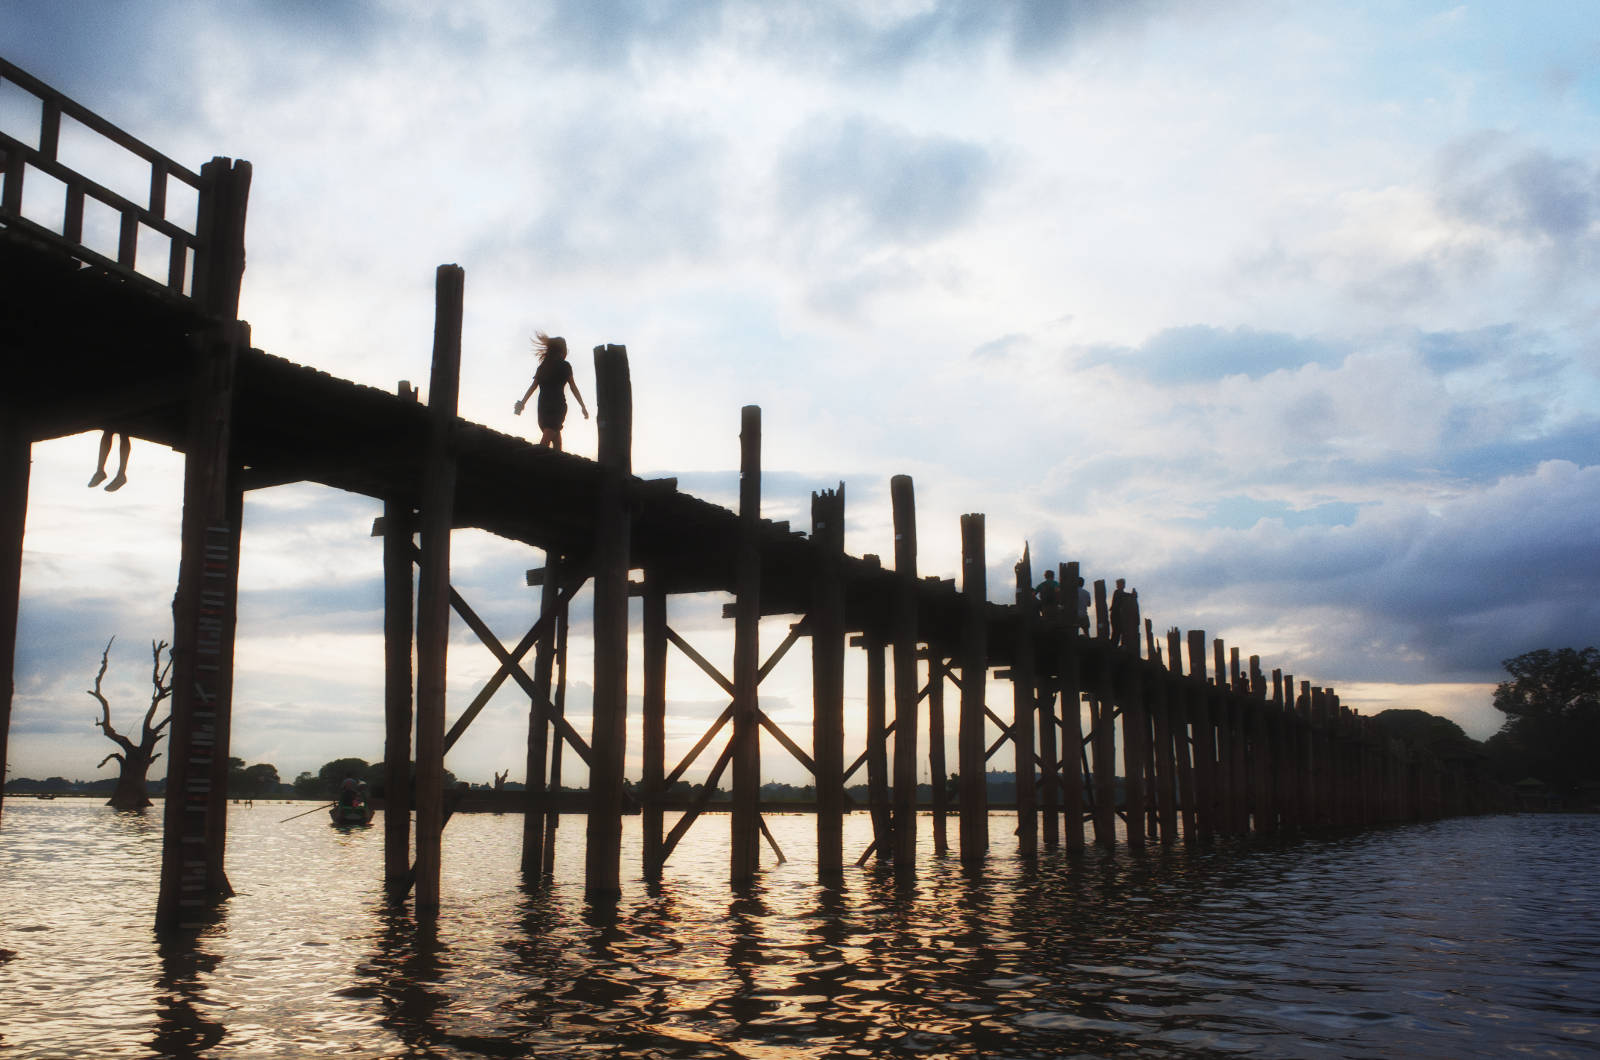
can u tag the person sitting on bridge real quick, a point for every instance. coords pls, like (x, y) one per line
(551, 380)
(1049, 595)
(122, 465)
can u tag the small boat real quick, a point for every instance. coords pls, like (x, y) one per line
(355, 815)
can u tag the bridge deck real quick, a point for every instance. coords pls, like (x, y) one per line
(85, 348)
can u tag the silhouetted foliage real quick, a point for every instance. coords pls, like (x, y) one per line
(1440, 736)
(252, 782)
(325, 784)
(1552, 726)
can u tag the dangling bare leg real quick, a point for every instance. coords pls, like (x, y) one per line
(122, 466)
(105, 451)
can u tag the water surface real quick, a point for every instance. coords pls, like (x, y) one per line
(1468, 938)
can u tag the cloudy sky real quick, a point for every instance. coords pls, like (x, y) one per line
(1285, 312)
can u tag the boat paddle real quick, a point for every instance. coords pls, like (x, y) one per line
(327, 806)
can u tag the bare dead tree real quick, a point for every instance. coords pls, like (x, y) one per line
(135, 759)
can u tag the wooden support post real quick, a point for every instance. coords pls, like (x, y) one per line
(1135, 742)
(1177, 707)
(878, 747)
(614, 423)
(1310, 813)
(15, 456)
(398, 635)
(1222, 726)
(535, 765)
(433, 583)
(654, 722)
(202, 663)
(1071, 707)
(1102, 738)
(937, 770)
(194, 830)
(1204, 747)
(827, 679)
(1050, 772)
(552, 818)
(903, 634)
(1024, 690)
(746, 815)
(974, 798)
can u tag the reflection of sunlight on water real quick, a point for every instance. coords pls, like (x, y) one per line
(1334, 947)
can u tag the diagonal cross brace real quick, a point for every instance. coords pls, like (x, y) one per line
(511, 666)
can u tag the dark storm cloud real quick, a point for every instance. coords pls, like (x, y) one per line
(1197, 353)
(1466, 584)
(863, 180)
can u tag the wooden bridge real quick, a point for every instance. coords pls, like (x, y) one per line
(139, 334)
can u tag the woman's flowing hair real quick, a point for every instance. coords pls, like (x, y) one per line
(544, 345)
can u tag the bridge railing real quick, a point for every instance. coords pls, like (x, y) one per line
(138, 226)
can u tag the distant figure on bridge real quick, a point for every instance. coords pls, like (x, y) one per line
(122, 464)
(1083, 608)
(1124, 616)
(1049, 595)
(551, 380)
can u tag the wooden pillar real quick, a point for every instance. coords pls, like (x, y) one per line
(194, 832)
(878, 746)
(1178, 714)
(219, 610)
(535, 768)
(1204, 747)
(1135, 739)
(1222, 727)
(653, 721)
(937, 770)
(827, 679)
(746, 816)
(974, 796)
(1024, 690)
(608, 739)
(1071, 708)
(1310, 814)
(1050, 766)
(552, 818)
(433, 583)
(903, 632)
(202, 665)
(15, 457)
(398, 601)
(1163, 761)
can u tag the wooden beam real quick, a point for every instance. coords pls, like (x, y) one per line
(1024, 690)
(540, 718)
(937, 669)
(746, 816)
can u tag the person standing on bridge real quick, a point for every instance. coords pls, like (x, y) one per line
(551, 379)
(121, 479)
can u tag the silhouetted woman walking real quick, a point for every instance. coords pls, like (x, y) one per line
(551, 380)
